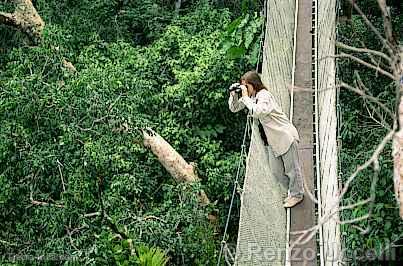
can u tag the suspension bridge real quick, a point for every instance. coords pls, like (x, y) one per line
(298, 66)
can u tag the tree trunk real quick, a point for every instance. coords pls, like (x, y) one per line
(398, 141)
(347, 8)
(172, 161)
(25, 18)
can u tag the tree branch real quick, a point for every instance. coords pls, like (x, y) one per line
(25, 18)
(369, 97)
(309, 233)
(172, 161)
(362, 62)
(363, 50)
(387, 25)
(7, 19)
(371, 26)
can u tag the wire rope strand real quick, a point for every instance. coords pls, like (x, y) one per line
(223, 242)
(317, 137)
(294, 53)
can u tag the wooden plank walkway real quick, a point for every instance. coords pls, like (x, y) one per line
(303, 215)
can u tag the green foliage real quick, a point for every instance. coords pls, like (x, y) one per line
(71, 139)
(361, 131)
(243, 36)
(7, 6)
(151, 256)
(125, 254)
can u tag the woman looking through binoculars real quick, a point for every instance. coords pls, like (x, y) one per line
(280, 133)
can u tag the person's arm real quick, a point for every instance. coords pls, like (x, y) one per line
(262, 107)
(234, 104)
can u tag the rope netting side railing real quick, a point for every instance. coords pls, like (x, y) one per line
(339, 116)
(241, 165)
(262, 225)
(262, 234)
(338, 104)
(242, 158)
(317, 128)
(328, 123)
(278, 50)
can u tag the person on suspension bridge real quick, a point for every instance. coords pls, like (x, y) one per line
(278, 131)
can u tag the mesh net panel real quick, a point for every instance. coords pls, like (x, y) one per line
(262, 228)
(328, 127)
(262, 225)
(278, 50)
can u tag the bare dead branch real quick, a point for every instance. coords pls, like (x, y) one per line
(379, 62)
(387, 26)
(298, 232)
(314, 228)
(70, 233)
(172, 161)
(305, 237)
(362, 62)
(152, 217)
(307, 234)
(372, 27)
(359, 228)
(61, 174)
(7, 243)
(41, 203)
(369, 97)
(310, 195)
(377, 101)
(87, 215)
(363, 50)
(25, 18)
(358, 219)
(372, 160)
(352, 206)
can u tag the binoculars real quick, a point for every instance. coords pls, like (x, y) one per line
(235, 87)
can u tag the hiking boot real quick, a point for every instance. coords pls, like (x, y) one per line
(292, 201)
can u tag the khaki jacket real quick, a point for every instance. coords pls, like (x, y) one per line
(280, 132)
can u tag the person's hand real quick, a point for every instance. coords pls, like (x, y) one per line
(244, 91)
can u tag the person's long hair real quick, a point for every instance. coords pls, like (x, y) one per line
(253, 78)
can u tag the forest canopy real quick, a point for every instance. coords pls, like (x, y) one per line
(75, 180)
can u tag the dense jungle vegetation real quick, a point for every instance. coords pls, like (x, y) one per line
(363, 124)
(71, 107)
